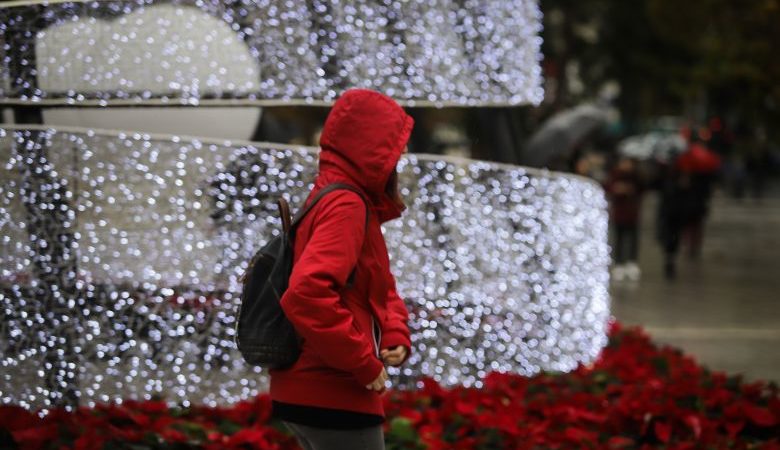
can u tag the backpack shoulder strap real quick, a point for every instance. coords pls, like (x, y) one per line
(331, 187)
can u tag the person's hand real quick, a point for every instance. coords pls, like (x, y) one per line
(379, 383)
(393, 356)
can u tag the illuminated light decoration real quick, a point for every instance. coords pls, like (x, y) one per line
(134, 52)
(503, 268)
(220, 60)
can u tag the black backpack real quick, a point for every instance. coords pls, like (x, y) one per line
(264, 336)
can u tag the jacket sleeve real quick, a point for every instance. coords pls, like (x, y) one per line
(395, 330)
(312, 301)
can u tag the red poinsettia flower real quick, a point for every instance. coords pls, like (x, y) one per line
(635, 396)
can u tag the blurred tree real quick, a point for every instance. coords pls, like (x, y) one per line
(699, 58)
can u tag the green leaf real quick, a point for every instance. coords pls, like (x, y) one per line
(228, 428)
(492, 440)
(661, 365)
(192, 430)
(401, 429)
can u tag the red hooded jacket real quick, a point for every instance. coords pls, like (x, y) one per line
(361, 143)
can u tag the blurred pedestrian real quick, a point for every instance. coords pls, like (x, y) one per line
(624, 189)
(699, 167)
(736, 175)
(697, 210)
(674, 196)
(757, 163)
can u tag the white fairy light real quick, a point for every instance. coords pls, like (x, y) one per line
(502, 268)
(112, 52)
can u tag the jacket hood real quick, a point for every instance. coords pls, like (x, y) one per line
(361, 142)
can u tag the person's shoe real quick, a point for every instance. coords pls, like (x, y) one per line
(619, 272)
(633, 272)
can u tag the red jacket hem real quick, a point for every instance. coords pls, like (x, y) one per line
(339, 393)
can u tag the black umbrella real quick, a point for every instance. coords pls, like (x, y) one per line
(562, 133)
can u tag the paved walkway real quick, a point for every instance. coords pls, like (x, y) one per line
(725, 309)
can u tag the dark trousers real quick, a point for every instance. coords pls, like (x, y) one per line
(626, 243)
(311, 438)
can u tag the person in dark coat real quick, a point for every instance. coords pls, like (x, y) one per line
(331, 397)
(625, 189)
(675, 200)
(699, 167)
(698, 210)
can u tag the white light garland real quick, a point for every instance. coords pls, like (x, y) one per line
(189, 52)
(502, 268)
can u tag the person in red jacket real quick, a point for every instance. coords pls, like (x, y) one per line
(331, 396)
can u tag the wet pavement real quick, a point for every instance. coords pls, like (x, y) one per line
(723, 309)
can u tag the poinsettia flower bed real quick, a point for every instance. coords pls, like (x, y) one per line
(637, 395)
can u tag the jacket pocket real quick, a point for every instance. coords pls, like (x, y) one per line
(376, 334)
(364, 320)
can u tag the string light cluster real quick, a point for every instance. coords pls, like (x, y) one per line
(439, 52)
(140, 241)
